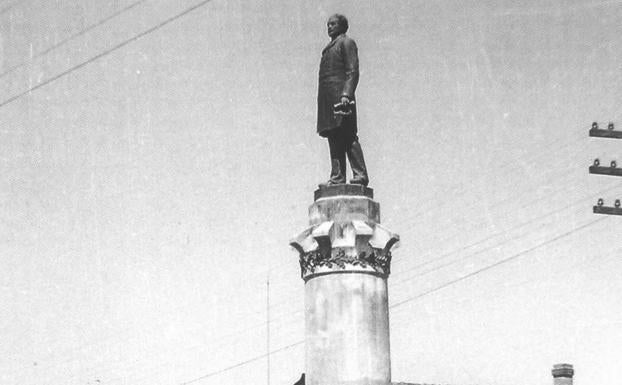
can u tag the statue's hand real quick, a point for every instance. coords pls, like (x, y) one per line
(345, 100)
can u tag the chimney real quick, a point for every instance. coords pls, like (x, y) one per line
(562, 374)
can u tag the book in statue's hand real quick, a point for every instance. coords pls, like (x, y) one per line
(343, 109)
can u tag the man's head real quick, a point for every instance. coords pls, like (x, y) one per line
(337, 24)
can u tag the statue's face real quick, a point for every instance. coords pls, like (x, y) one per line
(334, 27)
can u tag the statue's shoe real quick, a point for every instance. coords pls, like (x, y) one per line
(363, 182)
(330, 183)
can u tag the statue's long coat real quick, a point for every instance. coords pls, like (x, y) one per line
(338, 76)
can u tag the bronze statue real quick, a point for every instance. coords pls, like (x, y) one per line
(336, 107)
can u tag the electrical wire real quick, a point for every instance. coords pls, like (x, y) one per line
(74, 36)
(105, 52)
(484, 240)
(211, 374)
(503, 261)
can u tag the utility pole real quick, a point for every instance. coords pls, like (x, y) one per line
(268, 328)
(611, 170)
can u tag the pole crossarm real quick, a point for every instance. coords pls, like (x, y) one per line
(607, 210)
(612, 170)
(604, 170)
(608, 133)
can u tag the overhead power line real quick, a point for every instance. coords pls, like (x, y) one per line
(256, 358)
(75, 35)
(106, 52)
(505, 260)
(484, 240)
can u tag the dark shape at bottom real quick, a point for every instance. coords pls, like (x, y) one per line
(301, 381)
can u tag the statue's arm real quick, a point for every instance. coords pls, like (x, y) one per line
(351, 62)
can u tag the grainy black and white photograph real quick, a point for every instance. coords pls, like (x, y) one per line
(317, 192)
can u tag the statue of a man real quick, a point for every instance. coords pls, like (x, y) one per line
(336, 111)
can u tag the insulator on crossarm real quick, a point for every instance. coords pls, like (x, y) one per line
(614, 164)
(617, 204)
(594, 126)
(596, 162)
(610, 126)
(600, 202)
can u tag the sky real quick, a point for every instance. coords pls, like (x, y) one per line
(156, 157)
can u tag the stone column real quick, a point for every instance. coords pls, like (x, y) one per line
(562, 374)
(345, 257)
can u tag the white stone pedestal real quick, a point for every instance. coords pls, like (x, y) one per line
(345, 262)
